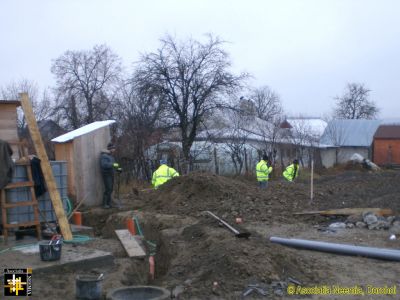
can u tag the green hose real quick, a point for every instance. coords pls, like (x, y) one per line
(79, 239)
(138, 226)
(152, 246)
(69, 207)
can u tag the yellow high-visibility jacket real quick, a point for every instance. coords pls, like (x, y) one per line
(263, 171)
(291, 172)
(162, 175)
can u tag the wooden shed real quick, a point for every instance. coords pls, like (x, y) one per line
(386, 149)
(8, 122)
(81, 149)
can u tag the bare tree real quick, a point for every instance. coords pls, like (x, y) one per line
(267, 103)
(271, 136)
(192, 78)
(139, 114)
(46, 115)
(268, 109)
(42, 103)
(301, 137)
(236, 139)
(85, 80)
(355, 103)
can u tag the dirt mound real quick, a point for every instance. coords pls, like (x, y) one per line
(232, 197)
(204, 253)
(192, 251)
(197, 192)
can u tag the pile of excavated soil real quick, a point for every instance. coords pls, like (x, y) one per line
(204, 254)
(193, 252)
(227, 197)
(231, 197)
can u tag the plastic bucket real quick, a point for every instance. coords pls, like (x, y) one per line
(49, 252)
(88, 287)
(139, 292)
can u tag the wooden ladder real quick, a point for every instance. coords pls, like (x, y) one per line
(33, 202)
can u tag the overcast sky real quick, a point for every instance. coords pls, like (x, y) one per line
(304, 50)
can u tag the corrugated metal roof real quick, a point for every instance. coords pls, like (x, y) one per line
(314, 126)
(356, 133)
(81, 131)
(388, 132)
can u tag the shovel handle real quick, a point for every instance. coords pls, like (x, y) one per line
(223, 222)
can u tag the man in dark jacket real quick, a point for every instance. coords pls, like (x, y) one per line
(107, 166)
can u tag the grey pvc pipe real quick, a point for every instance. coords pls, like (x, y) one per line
(381, 253)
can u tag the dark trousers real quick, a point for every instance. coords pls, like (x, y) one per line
(263, 184)
(108, 179)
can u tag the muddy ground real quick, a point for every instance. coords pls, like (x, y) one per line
(196, 258)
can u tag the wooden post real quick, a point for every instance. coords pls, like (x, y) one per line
(312, 181)
(246, 166)
(46, 168)
(216, 161)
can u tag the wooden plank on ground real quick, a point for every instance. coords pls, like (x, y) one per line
(349, 211)
(46, 168)
(130, 243)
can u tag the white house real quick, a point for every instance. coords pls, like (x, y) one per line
(236, 145)
(343, 138)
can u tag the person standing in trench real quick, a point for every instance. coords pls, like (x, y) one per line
(108, 166)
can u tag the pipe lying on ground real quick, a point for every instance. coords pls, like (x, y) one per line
(380, 253)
